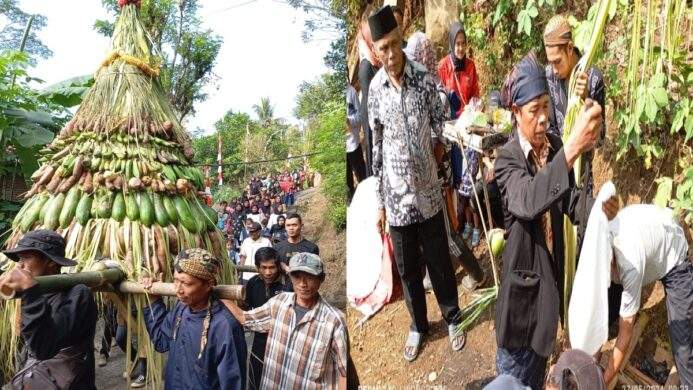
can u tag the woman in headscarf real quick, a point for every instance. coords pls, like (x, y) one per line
(457, 71)
(420, 49)
(458, 75)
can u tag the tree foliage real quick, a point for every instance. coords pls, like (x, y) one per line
(188, 52)
(11, 35)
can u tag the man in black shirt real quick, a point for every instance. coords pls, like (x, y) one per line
(295, 243)
(269, 282)
(57, 328)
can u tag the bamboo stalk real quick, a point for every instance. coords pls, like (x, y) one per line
(52, 283)
(110, 280)
(639, 376)
(234, 292)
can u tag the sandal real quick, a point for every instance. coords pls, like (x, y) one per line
(457, 338)
(412, 346)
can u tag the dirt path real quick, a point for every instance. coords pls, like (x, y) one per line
(312, 206)
(377, 346)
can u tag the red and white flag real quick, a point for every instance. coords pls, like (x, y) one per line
(220, 174)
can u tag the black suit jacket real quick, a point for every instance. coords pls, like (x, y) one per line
(531, 290)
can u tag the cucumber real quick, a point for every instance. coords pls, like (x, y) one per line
(33, 213)
(52, 217)
(27, 205)
(160, 211)
(42, 213)
(170, 210)
(199, 215)
(211, 217)
(168, 173)
(179, 172)
(70, 206)
(185, 215)
(118, 207)
(131, 208)
(146, 209)
(105, 205)
(83, 212)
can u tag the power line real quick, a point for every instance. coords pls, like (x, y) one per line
(198, 164)
(231, 7)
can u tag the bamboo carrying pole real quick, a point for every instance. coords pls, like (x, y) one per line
(233, 292)
(110, 280)
(53, 283)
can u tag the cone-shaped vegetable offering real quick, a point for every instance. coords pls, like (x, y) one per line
(117, 181)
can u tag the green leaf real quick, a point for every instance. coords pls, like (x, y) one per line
(527, 24)
(613, 6)
(682, 112)
(689, 128)
(533, 12)
(23, 116)
(657, 80)
(68, 93)
(660, 96)
(650, 107)
(27, 159)
(663, 195)
(30, 135)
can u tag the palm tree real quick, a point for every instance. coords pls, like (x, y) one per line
(264, 111)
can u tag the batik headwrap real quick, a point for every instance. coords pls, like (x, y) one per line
(526, 82)
(198, 263)
(557, 31)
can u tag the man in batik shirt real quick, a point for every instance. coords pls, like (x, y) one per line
(403, 110)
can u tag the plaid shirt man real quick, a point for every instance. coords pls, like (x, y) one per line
(310, 354)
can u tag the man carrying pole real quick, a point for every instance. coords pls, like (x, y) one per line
(205, 344)
(57, 328)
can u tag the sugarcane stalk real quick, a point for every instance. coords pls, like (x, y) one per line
(575, 106)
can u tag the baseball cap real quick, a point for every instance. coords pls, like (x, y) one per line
(306, 262)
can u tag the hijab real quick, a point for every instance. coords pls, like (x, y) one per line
(455, 29)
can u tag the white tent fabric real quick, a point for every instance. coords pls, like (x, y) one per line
(588, 313)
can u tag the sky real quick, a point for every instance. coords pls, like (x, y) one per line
(263, 53)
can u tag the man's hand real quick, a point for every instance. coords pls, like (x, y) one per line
(610, 207)
(237, 312)
(585, 132)
(381, 221)
(581, 85)
(146, 283)
(18, 280)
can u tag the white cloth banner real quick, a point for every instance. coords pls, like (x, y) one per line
(588, 313)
